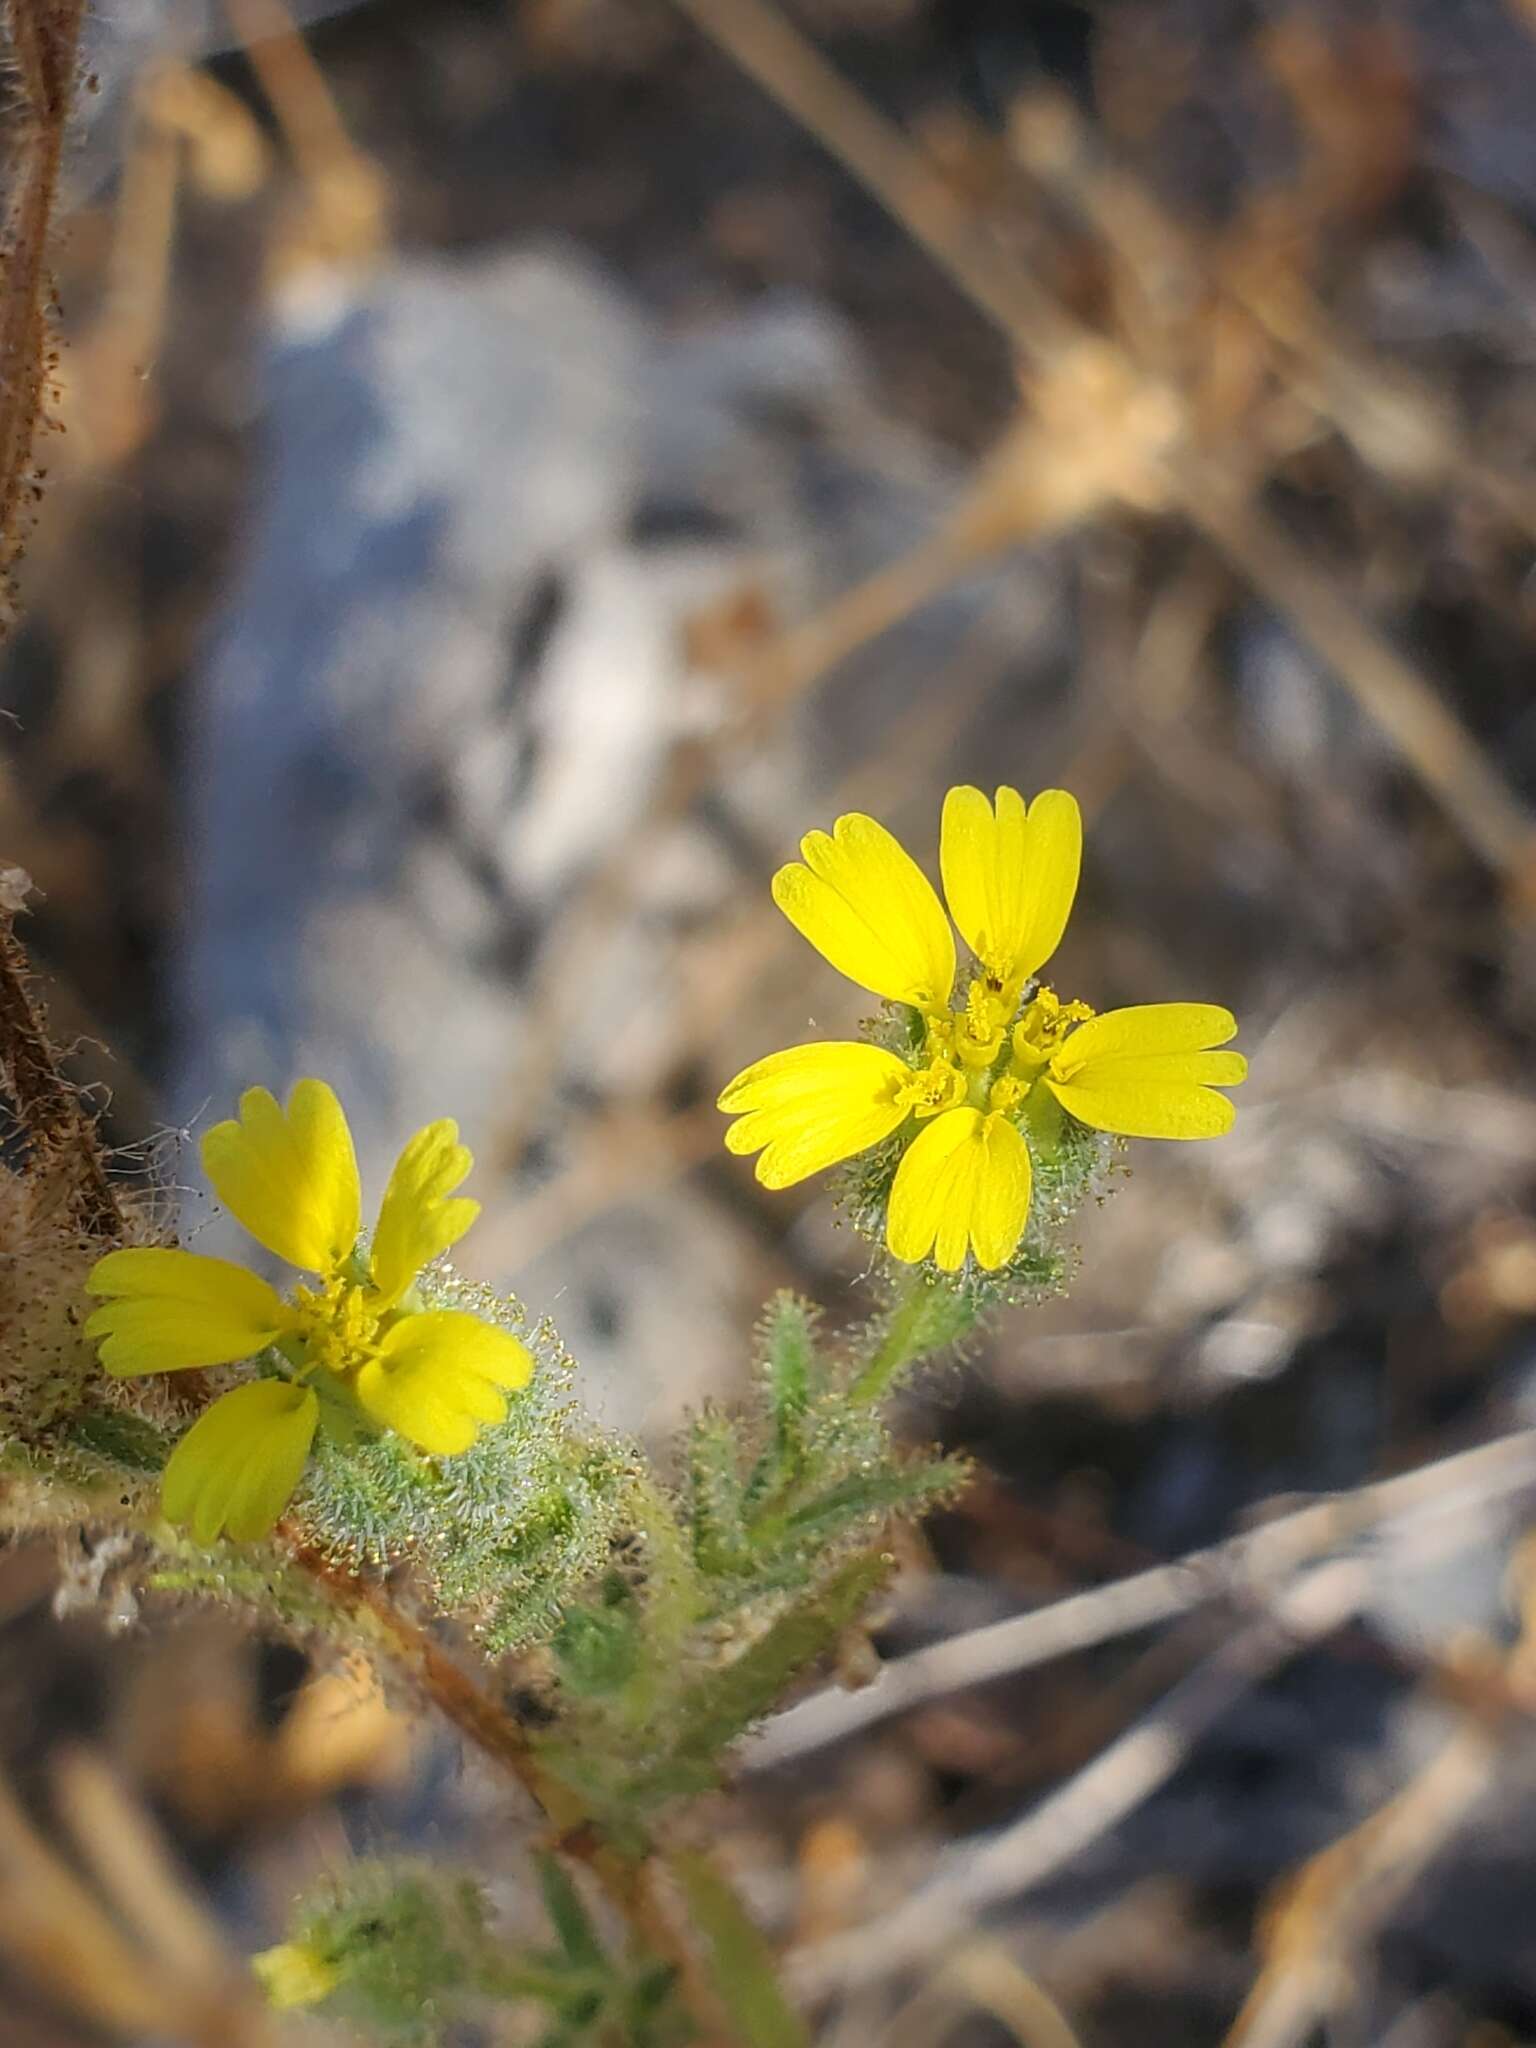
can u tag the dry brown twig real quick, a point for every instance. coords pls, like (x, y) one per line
(1396, 422)
(1431, 740)
(58, 1129)
(345, 217)
(1342, 1897)
(1246, 1569)
(1337, 1904)
(134, 1954)
(1122, 1777)
(43, 38)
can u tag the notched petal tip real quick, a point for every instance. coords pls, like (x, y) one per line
(289, 1176)
(420, 1218)
(166, 1310)
(812, 1106)
(867, 907)
(1010, 874)
(963, 1187)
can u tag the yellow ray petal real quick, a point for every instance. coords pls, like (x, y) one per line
(812, 1105)
(1130, 1108)
(290, 1176)
(964, 1183)
(439, 1377)
(1010, 875)
(868, 908)
(1149, 1071)
(1143, 1029)
(170, 1309)
(417, 1220)
(235, 1470)
(1000, 1208)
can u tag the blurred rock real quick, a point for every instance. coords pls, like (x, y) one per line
(494, 503)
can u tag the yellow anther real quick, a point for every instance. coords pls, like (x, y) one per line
(939, 1086)
(1044, 1024)
(336, 1324)
(1006, 1095)
(980, 1026)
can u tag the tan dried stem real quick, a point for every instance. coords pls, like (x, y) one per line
(1345, 1894)
(1396, 422)
(60, 1133)
(345, 221)
(1213, 495)
(630, 1882)
(43, 37)
(1336, 1906)
(134, 1954)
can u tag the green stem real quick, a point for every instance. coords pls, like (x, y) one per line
(548, 1987)
(926, 1316)
(673, 1597)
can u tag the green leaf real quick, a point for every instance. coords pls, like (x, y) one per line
(741, 1965)
(121, 1438)
(790, 1353)
(725, 1701)
(598, 1648)
(568, 1916)
(714, 1494)
(861, 1497)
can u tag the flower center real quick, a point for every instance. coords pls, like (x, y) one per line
(1006, 1095)
(980, 1025)
(970, 1058)
(338, 1328)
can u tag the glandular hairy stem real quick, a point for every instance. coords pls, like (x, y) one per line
(630, 1878)
(61, 1135)
(927, 1316)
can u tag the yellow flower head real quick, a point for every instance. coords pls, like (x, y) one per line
(294, 1974)
(290, 1177)
(979, 1091)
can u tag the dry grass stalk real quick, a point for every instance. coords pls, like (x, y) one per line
(135, 1954)
(1341, 1899)
(1243, 1570)
(344, 219)
(1441, 753)
(1316, 1604)
(43, 38)
(1336, 1905)
(59, 1131)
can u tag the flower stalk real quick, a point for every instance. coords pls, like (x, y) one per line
(928, 1316)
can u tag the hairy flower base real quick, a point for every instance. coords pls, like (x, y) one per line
(360, 1342)
(977, 1096)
